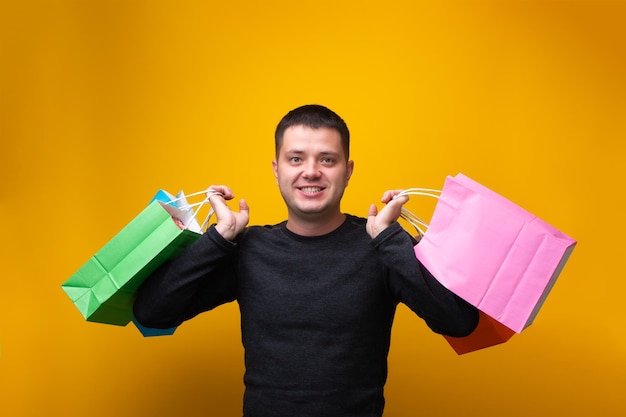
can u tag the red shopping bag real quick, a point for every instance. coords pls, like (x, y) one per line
(494, 254)
(489, 332)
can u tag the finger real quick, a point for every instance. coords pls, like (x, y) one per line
(222, 190)
(386, 197)
(372, 218)
(400, 198)
(244, 215)
(373, 211)
(220, 207)
(391, 212)
(217, 201)
(392, 195)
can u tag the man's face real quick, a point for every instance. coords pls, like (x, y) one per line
(312, 172)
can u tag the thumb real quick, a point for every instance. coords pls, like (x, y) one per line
(373, 211)
(371, 220)
(244, 212)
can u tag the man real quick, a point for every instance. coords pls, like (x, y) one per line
(318, 292)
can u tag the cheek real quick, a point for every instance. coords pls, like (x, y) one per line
(283, 179)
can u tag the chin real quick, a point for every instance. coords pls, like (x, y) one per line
(307, 208)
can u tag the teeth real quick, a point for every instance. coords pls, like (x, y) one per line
(311, 189)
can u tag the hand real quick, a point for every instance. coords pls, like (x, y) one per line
(229, 223)
(379, 221)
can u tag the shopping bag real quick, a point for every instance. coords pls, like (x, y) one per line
(103, 289)
(494, 254)
(179, 201)
(151, 332)
(488, 332)
(168, 198)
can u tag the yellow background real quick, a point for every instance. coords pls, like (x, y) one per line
(104, 102)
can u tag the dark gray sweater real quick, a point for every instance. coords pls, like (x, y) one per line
(316, 312)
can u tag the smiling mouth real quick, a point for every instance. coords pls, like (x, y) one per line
(311, 190)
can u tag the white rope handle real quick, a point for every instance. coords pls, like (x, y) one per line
(411, 218)
(197, 206)
(184, 196)
(428, 192)
(209, 193)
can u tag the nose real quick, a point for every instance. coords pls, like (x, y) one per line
(311, 170)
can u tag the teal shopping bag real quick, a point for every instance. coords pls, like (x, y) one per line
(103, 289)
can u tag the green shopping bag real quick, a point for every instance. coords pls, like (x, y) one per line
(103, 289)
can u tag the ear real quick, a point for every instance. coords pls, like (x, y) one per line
(350, 169)
(275, 168)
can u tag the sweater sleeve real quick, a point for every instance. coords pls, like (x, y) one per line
(410, 283)
(199, 279)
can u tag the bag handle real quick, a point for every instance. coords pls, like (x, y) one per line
(195, 207)
(409, 216)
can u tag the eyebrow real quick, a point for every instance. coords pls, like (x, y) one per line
(300, 152)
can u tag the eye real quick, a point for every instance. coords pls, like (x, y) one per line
(295, 159)
(328, 161)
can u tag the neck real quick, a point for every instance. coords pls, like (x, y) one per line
(314, 226)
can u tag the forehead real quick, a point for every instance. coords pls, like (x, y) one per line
(306, 139)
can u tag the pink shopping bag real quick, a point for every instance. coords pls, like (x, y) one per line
(492, 253)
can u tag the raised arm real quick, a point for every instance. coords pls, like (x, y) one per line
(409, 282)
(201, 277)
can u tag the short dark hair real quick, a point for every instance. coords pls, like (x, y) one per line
(314, 116)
